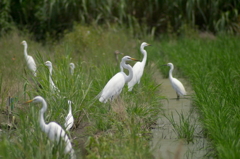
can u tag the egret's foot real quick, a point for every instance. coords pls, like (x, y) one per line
(178, 97)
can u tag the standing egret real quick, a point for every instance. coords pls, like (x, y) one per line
(53, 88)
(138, 68)
(176, 84)
(29, 59)
(52, 129)
(69, 119)
(114, 86)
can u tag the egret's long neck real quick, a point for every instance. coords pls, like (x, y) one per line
(121, 66)
(144, 52)
(70, 106)
(41, 115)
(71, 70)
(50, 74)
(170, 72)
(127, 66)
(50, 71)
(25, 51)
(70, 109)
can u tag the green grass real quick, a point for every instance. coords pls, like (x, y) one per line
(212, 68)
(185, 126)
(121, 132)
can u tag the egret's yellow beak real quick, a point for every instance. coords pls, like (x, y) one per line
(29, 101)
(149, 45)
(134, 59)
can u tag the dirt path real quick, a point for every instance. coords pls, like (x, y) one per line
(166, 144)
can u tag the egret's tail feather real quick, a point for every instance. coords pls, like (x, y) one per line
(98, 97)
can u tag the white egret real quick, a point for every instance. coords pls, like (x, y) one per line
(52, 129)
(176, 84)
(71, 68)
(69, 119)
(114, 86)
(29, 59)
(53, 87)
(138, 68)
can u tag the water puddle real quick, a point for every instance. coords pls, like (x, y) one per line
(166, 143)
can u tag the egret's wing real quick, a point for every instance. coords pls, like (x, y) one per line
(178, 86)
(54, 131)
(113, 87)
(69, 122)
(31, 63)
(137, 74)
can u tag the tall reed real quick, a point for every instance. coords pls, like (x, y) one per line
(51, 18)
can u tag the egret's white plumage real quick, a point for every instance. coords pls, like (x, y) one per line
(69, 118)
(176, 84)
(29, 59)
(71, 68)
(114, 86)
(138, 68)
(52, 86)
(54, 131)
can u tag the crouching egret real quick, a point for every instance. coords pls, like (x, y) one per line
(176, 84)
(138, 68)
(54, 131)
(114, 86)
(53, 87)
(69, 118)
(71, 68)
(29, 59)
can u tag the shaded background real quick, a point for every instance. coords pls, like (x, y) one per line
(51, 18)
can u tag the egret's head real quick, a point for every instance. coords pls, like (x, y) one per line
(48, 64)
(71, 65)
(36, 99)
(169, 64)
(128, 58)
(145, 44)
(24, 43)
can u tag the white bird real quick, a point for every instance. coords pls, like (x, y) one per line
(114, 86)
(176, 84)
(52, 129)
(53, 87)
(71, 68)
(69, 118)
(138, 68)
(29, 59)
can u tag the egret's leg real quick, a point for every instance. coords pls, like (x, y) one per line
(110, 103)
(139, 81)
(178, 96)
